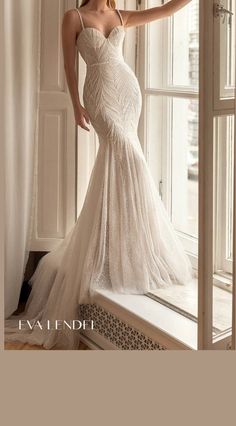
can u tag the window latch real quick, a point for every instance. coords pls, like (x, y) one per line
(221, 12)
(161, 188)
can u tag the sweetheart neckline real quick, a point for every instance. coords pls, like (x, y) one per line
(100, 32)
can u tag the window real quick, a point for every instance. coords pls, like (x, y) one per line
(224, 156)
(170, 93)
(225, 44)
(169, 130)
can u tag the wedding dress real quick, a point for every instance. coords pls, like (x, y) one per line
(123, 239)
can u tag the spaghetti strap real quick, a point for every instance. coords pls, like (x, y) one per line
(122, 22)
(81, 20)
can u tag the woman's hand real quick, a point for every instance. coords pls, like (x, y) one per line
(82, 117)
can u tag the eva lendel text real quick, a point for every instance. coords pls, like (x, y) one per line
(72, 325)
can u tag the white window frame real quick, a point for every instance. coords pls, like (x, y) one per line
(167, 91)
(223, 265)
(209, 111)
(211, 107)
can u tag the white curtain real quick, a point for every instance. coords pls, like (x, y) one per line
(20, 100)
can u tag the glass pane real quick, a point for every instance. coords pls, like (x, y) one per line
(185, 165)
(155, 43)
(224, 166)
(227, 51)
(153, 138)
(180, 37)
(185, 46)
(222, 310)
(223, 189)
(229, 187)
(172, 153)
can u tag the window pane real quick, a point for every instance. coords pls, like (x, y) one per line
(154, 134)
(222, 310)
(185, 46)
(178, 36)
(155, 44)
(224, 166)
(185, 165)
(227, 51)
(229, 187)
(223, 190)
(171, 149)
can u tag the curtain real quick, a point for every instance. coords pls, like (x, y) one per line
(20, 101)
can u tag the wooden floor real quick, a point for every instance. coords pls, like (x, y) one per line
(13, 346)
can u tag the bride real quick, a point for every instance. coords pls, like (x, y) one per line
(123, 239)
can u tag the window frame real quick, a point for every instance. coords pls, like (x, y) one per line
(210, 107)
(167, 92)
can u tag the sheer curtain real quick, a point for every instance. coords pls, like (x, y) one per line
(20, 100)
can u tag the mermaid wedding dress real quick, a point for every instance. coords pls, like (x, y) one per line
(123, 239)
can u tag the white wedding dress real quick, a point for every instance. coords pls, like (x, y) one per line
(123, 239)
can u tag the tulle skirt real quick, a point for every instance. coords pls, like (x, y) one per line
(123, 240)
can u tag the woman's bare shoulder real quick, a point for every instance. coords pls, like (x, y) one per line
(70, 18)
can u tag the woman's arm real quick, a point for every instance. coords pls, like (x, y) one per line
(69, 32)
(139, 17)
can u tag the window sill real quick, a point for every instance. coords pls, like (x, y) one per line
(223, 281)
(184, 299)
(151, 318)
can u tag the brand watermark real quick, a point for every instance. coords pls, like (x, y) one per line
(73, 325)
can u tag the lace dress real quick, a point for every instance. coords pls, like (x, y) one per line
(123, 239)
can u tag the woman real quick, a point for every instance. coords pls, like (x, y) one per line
(123, 240)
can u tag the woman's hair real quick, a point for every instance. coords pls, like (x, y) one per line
(110, 3)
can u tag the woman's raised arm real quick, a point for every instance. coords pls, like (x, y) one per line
(139, 17)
